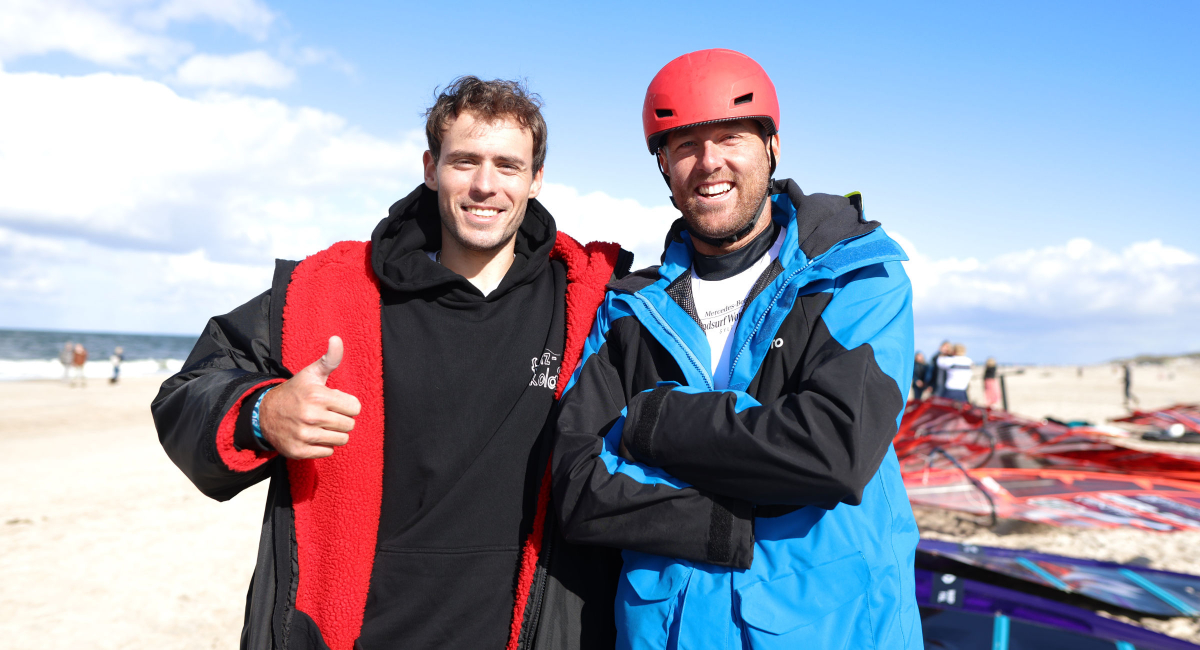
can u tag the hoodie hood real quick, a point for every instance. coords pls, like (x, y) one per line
(401, 243)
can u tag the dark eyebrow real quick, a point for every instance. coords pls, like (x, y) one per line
(461, 153)
(466, 153)
(515, 162)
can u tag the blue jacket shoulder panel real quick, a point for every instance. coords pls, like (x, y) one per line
(873, 306)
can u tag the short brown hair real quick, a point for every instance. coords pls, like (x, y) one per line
(491, 101)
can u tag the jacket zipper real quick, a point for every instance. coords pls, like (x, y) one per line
(538, 591)
(761, 319)
(678, 341)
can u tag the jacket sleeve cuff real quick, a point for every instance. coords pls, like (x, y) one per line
(731, 533)
(641, 419)
(243, 430)
(239, 454)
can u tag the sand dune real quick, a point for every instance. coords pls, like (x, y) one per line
(104, 543)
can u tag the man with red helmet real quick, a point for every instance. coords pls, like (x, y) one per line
(730, 424)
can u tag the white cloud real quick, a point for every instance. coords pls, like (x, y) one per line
(66, 283)
(123, 161)
(247, 16)
(34, 27)
(118, 33)
(599, 217)
(319, 56)
(1079, 278)
(1076, 301)
(255, 68)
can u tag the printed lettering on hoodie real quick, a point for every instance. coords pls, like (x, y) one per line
(545, 369)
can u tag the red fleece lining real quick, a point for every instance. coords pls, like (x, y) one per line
(588, 270)
(240, 460)
(335, 293)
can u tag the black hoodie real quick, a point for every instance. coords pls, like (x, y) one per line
(464, 416)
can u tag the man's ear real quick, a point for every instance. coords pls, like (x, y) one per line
(775, 147)
(535, 187)
(662, 162)
(430, 171)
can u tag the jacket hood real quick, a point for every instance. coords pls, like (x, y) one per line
(822, 220)
(401, 242)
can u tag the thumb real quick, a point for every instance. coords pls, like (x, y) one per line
(321, 368)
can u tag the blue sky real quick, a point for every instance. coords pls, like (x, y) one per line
(1037, 161)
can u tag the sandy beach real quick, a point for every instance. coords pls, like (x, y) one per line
(105, 544)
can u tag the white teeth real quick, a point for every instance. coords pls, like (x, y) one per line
(483, 212)
(719, 188)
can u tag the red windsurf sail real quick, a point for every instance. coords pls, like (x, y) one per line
(1186, 415)
(1067, 498)
(974, 437)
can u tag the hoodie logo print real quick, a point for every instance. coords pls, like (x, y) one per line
(545, 369)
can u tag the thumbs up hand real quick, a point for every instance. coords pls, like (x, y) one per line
(301, 418)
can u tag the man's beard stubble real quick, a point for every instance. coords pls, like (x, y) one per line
(751, 186)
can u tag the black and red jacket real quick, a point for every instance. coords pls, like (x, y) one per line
(319, 538)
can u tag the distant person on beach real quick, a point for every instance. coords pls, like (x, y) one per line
(957, 369)
(1127, 379)
(991, 385)
(79, 357)
(117, 357)
(67, 357)
(935, 378)
(920, 370)
(397, 394)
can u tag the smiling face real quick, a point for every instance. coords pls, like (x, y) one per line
(719, 174)
(484, 179)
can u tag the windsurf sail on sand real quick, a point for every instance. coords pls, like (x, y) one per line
(1139, 590)
(935, 432)
(1185, 416)
(962, 614)
(1065, 498)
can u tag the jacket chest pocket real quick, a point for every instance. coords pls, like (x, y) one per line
(823, 607)
(648, 599)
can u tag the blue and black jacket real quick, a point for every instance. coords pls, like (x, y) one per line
(770, 514)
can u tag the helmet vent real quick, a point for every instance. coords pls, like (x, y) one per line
(664, 112)
(744, 99)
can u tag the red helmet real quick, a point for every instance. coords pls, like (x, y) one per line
(708, 86)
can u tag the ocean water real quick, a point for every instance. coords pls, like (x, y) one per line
(32, 354)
